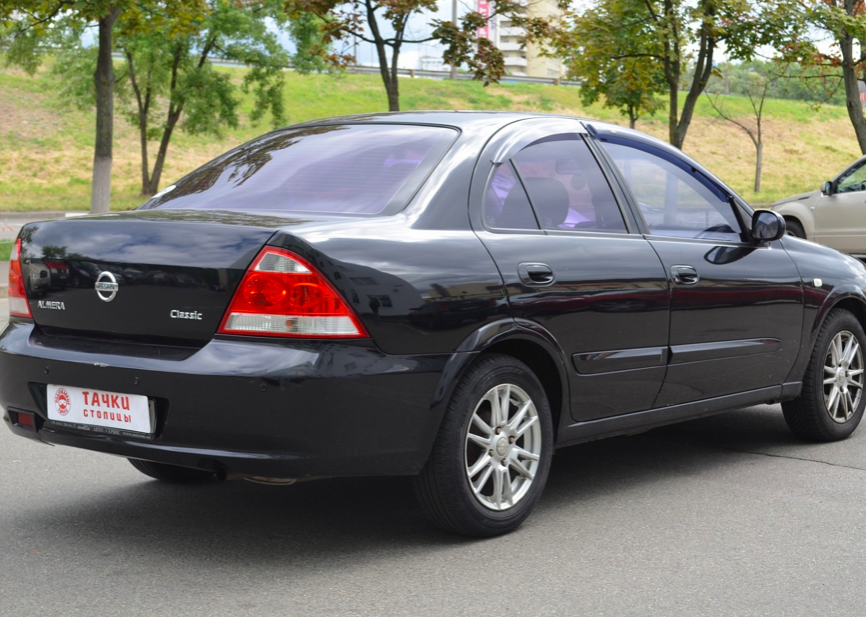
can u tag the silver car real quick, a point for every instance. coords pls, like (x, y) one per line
(834, 215)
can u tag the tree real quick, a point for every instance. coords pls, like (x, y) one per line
(628, 82)
(171, 73)
(311, 51)
(845, 22)
(29, 21)
(682, 37)
(384, 24)
(343, 20)
(756, 88)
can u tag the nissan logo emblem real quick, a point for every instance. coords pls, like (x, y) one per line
(106, 286)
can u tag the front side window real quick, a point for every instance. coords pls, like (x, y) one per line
(343, 169)
(853, 180)
(674, 199)
(566, 190)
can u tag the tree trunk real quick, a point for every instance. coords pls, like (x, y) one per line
(100, 194)
(391, 87)
(703, 72)
(394, 91)
(673, 109)
(173, 117)
(143, 103)
(759, 163)
(852, 92)
(174, 111)
(672, 69)
(632, 117)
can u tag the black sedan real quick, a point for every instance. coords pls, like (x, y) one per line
(444, 295)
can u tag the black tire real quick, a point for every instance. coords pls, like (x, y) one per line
(443, 487)
(172, 473)
(794, 228)
(810, 416)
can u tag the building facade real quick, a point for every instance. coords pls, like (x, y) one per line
(522, 61)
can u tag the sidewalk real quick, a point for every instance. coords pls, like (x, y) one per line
(4, 279)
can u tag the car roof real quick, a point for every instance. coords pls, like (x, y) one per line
(462, 119)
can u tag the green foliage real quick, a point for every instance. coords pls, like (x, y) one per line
(167, 79)
(844, 23)
(343, 21)
(629, 79)
(797, 82)
(311, 51)
(652, 45)
(46, 145)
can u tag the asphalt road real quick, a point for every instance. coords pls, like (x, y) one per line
(729, 515)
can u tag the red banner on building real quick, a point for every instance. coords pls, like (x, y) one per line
(484, 9)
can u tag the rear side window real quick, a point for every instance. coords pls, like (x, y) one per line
(346, 169)
(565, 185)
(507, 206)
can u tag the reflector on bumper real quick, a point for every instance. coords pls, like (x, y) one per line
(298, 324)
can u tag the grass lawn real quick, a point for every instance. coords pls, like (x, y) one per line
(46, 146)
(5, 250)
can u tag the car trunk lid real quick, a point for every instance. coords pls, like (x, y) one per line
(142, 276)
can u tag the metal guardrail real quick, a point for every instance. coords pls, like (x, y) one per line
(424, 74)
(507, 79)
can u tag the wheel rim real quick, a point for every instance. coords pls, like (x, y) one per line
(502, 447)
(843, 377)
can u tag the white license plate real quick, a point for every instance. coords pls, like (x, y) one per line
(127, 412)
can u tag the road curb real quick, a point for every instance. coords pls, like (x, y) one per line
(35, 215)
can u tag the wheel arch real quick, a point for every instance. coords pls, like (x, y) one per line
(790, 218)
(524, 340)
(542, 364)
(849, 298)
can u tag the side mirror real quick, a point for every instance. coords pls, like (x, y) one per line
(767, 226)
(827, 188)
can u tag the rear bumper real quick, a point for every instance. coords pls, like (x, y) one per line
(281, 409)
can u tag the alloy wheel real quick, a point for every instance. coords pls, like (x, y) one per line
(503, 447)
(843, 377)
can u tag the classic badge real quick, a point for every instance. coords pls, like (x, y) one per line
(106, 286)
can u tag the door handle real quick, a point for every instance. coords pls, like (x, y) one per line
(535, 273)
(685, 275)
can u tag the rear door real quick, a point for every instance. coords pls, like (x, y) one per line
(543, 207)
(736, 308)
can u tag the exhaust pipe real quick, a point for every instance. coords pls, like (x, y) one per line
(224, 474)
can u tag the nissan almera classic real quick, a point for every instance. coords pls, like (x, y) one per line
(444, 295)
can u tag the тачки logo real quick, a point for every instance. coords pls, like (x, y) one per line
(62, 402)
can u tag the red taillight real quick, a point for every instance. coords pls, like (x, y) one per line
(18, 305)
(282, 294)
(21, 419)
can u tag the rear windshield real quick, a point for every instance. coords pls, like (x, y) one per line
(343, 169)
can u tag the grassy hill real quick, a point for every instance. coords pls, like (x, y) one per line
(46, 146)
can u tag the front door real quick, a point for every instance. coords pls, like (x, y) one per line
(736, 308)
